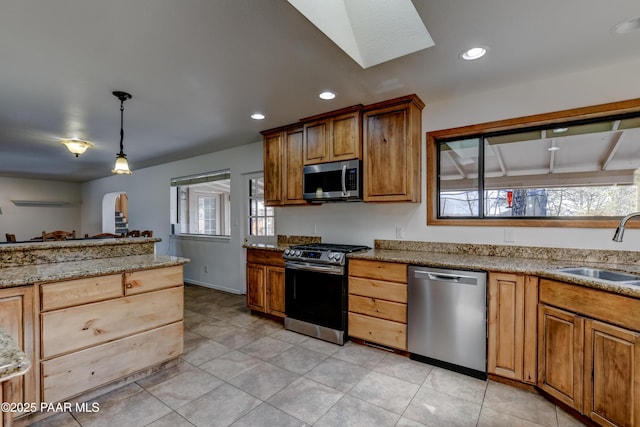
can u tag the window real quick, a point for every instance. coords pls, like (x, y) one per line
(573, 168)
(203, 204)
(261, 218)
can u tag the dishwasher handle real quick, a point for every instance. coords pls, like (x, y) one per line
(445, 277)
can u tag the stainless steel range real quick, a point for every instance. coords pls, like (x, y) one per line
(316, 290)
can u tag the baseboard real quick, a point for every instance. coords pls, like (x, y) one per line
(212, 286)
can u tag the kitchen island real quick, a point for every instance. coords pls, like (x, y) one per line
(90, 314)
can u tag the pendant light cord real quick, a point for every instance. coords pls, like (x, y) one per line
(121, 126)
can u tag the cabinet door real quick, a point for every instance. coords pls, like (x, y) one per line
(293, 167)
(392, 143)
(560, 355)
(256, 287)
(315, 142)
(612, 374)
(386, 155)
(345, 142)
(16, 319)
(275, 290)
(273, 158)
(506, 325)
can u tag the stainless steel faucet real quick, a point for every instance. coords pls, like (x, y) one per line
(617, 236)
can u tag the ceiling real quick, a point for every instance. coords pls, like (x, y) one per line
(197, 69)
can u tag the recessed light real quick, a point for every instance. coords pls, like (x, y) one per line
(560, 130)
(327, 95)
(627, 26)
(257, 116)
(473, 53)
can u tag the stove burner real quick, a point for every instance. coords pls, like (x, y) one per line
(322, 253)
(333, 247)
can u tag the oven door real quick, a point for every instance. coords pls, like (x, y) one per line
(316, 294)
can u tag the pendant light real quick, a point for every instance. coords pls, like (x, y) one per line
(122, 166)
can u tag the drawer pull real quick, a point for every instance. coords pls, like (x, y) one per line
(129, 286)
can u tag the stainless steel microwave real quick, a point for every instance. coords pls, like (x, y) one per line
(336, 181)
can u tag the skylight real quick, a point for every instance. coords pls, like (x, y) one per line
(369, 31)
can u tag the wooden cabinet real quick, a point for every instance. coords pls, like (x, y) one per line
(392, 144)
(589, 351)
(265, 281)
(333, 137)
(612, 361)
(283, 155)
(512, 314)
(109, 327)
(273, 167)
(378, 302)
(16, 319)
(256, 286)
(560, 358)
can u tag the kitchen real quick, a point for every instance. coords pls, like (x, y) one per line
(355, 223)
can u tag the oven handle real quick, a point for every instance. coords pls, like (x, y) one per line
(304, 266)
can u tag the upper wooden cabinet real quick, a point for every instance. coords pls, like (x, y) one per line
(333, 137)
(273, 166)
(392, 142)
(283, 155)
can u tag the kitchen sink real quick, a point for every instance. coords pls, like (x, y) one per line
(608, 275)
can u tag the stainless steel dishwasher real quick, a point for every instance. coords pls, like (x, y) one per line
(447, 319)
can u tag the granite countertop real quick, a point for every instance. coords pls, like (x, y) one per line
(509, 264)
(74, 243)
(13, 362)
(40, 273)
(267, 247)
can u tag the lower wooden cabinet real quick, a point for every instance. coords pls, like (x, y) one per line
(612, 361)
(512, 338)
(378, 302)
(265, 281)
(16, 319)
(589, 351)
(561, 345)
(111, 327)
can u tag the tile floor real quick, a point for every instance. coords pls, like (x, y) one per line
(243, 370)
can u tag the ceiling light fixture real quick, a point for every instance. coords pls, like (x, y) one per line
(122, 166)
(327, 95)
(76, 146)
(257, 116)
(627, 26)
(473, 53)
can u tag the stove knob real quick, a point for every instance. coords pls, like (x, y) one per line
(298, 253)
(286, 251)
(338, 257)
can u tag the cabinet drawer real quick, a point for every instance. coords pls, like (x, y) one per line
(80, 291)
(258, 256)
(75, 328)
(385, 332)
(69, 375)
(149, 280)
(390, 271)
(611, 308)
(378, 308)
(378, 289)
